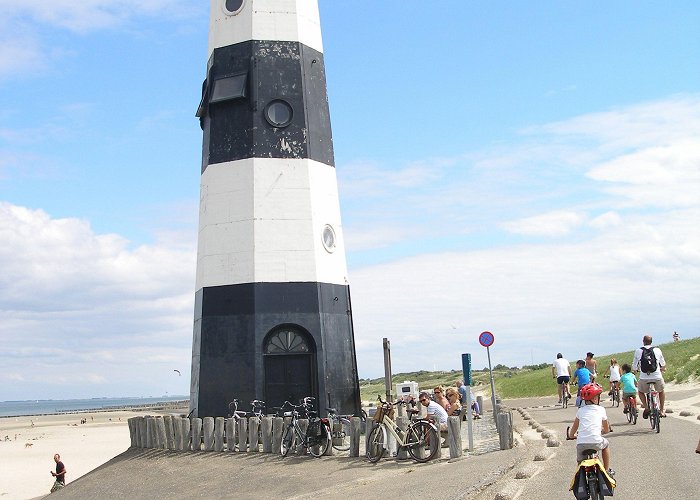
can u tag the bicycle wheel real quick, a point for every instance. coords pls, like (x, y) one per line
(617, 397)
(593, 490)
(376, 443)
(318, 445)
(422, 441)
(633, 411)
(656, 413)
(564, 401)
(630, 414)
(341, 434)
(287, 440)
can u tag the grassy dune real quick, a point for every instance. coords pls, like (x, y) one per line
(682, 365)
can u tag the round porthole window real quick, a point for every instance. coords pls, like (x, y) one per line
(278, 113)
(233, 7)
(329, 240)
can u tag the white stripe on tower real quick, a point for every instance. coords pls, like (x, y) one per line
(261, 220)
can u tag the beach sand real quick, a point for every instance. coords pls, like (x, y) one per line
(27, 455)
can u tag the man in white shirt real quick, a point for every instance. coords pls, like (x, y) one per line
(561, 370)
(645, 377)
(438, 412)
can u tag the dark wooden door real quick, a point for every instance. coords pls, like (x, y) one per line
(288, 377)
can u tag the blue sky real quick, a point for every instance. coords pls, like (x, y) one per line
(529, 169)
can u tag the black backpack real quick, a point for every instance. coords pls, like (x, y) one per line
(648, 362)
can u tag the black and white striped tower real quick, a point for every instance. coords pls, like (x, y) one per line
(272, 304)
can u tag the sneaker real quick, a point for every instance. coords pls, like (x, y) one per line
(626, 411)
(444, 445)
(610, 393)
(645, 414)
(559, 402)
(611, 472)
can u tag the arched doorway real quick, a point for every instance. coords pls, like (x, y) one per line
(290, 368)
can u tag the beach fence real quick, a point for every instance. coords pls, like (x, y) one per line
(219, 434)
(255, 434)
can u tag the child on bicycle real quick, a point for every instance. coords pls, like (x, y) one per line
(590, 424)
(629, 385)
(582, 376)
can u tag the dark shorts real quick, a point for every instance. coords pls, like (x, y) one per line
(564, 379)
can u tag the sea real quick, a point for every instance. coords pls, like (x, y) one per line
(58, 406)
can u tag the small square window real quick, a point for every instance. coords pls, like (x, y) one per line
(232, 87)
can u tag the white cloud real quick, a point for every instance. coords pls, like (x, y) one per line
(556, 223)
(617, 189)
(89, 307)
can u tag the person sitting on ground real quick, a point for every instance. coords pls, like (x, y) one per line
(561, 370)
(440, 398)
(475, 405)
(629, 386)
(592, 365)
(590, 424)
(614, 373)
(454, 407)
(650, 363)
(581, 376)
(438, 412)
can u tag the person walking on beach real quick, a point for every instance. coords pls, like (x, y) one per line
(60, 474)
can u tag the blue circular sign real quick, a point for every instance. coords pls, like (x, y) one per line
(486, 339)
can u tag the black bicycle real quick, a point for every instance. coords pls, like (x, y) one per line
(317, 437)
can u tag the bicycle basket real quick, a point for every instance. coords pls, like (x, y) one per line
(381, 411)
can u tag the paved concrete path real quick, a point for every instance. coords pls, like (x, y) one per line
(647, 465)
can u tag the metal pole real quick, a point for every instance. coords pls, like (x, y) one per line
(493, 389)
(387, 369)
(470, 419)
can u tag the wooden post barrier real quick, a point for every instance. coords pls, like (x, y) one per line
(454, 436)
(186, 424)
(266, 434)
(253, 424)
(219, 433)
(355, 428)
(369, 425)
(402, 423)
(150, 431)
(480, 402)
(208, 433)
(329, 450)
(160, 433)
(132, 431)
(277, 429)
(505, 430)
(140, 433)
(177, 433)
(230, 434)
(196, 443)
(169, 435)
(242, 434)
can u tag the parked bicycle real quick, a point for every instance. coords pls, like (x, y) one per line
(653, 407)
(421, 439)
(340, 430)
(257, 410)
(317, 437)
(591, 480)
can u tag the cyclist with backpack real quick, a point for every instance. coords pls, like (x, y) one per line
(650, 363)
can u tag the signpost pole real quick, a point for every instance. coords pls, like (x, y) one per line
(493, 390)
(467, 374)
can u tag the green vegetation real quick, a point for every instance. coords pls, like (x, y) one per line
(682, 365)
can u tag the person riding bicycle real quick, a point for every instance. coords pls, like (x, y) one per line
(592, 365)
(650, 363)
(613, 372)
(561, 370)
(629, 385)
(590, 424)
(581, 376)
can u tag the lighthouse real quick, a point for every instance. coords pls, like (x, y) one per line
(273, 317)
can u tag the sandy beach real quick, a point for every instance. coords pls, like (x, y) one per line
(28, 444)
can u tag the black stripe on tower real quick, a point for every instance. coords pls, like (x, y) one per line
(255, 84)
